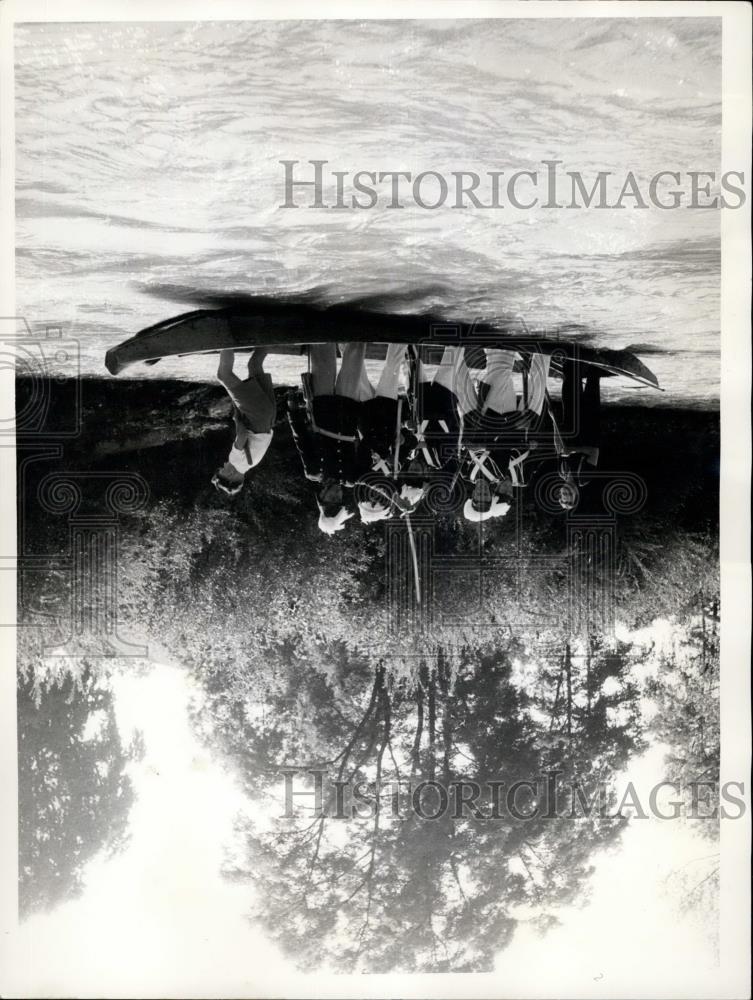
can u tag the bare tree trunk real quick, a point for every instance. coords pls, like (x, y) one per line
(556, 701)
(446, 719)
(416, 750)
(569, 679)
(375, 694)
(588, 676)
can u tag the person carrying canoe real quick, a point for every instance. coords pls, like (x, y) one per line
(254, 412)
(341, 457)
(307, 445)
(385, 436)
(441, 403)
(577, 451)
(497, 432)
(304, 438)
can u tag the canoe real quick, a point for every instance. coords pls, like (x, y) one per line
(285, 328)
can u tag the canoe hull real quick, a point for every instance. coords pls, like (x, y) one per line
(287, 330)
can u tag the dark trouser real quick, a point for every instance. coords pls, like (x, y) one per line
(343, 457)
(437, 406)
(378, 424)
(581, 405)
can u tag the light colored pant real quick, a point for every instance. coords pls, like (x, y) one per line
(501, 396)
(537, 376)
(453, 374)
(327, 381)
(388, 385)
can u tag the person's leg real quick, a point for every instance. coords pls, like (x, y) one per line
(366, 390)
(538, 373)
(445, 373)
(453, 374)
(256, 362)
(501, 396)
(591, 409)
(570, 400)
(422, 381)
(323, 369)
(389, 380)
(465, 386)
(225, 372)
(348, 381)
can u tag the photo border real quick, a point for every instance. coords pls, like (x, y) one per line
(20, 971)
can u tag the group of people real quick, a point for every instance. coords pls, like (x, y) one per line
(375, 449)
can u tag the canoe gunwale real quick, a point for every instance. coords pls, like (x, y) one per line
(232, 329)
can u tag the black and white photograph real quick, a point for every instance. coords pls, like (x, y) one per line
(375, 467)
